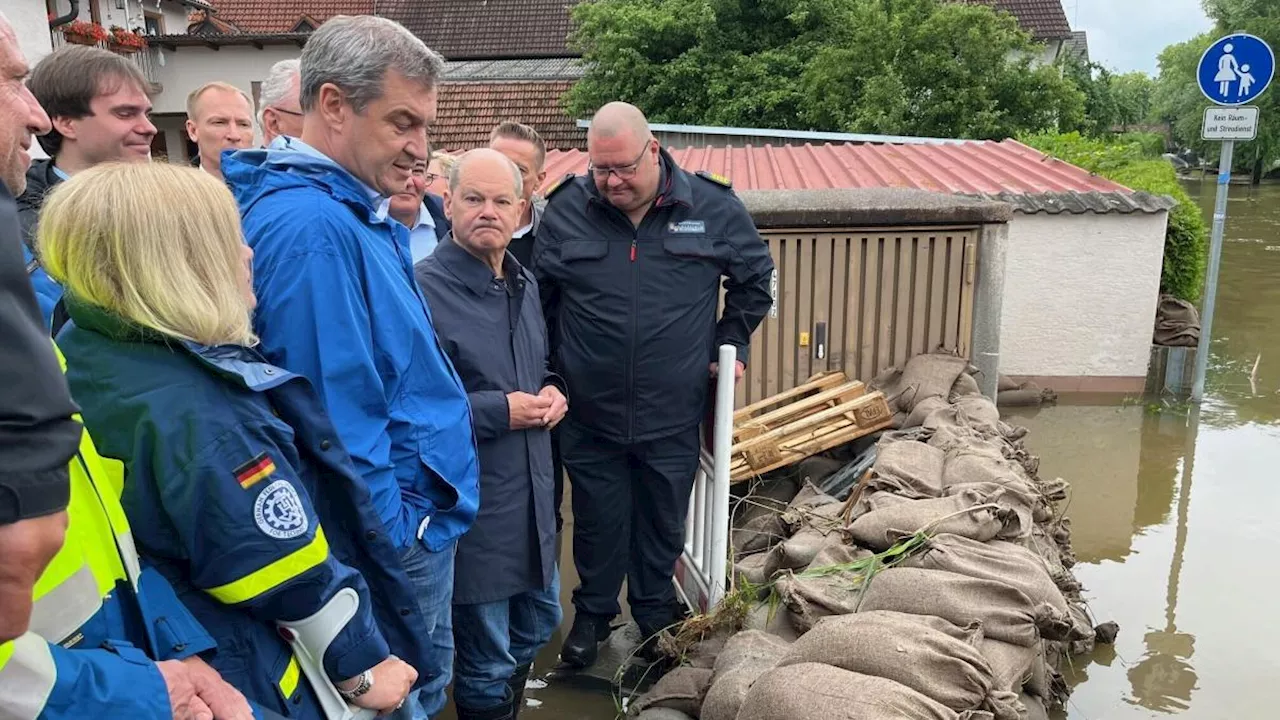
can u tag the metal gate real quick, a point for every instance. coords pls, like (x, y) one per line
(861, 300)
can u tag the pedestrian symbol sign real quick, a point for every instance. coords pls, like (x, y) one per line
(1236, 69)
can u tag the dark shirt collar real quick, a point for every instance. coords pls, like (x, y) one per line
(473, 272)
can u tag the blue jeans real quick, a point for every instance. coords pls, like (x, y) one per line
(432, 576)
(495, 638)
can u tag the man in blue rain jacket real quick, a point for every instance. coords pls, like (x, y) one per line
(337, 300)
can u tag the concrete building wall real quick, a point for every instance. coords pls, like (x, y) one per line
(1080, 298)
(187, 68)
(30, 22)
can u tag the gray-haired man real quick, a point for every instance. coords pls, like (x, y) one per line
(280, 113)
(337, 302)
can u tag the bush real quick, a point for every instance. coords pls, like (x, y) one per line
(1133, 160)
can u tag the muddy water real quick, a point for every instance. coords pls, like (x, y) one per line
(1176, 517)
(1174, 512)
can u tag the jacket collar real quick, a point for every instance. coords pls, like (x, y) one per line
(237, 363)
(471, 270)
(673, 184)
(40, 179)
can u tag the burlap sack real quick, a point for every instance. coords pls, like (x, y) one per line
(1177, 323)
(925, 653)
(809, 599)
(922, 411)
(869, 501)
(1018, 497)
(756, 569)
(812, 691)
(759, 533)
(810, 506)
(681, 689)
(1007, 383)
(979, 410)
(662, 714)
(1035, 708)
(976, 464)
(1005, 612)
(800, 549)
(997, 561)
(965, 514)
(745, 657)
(774, 620)
(965, 386)
(838, 554)
(909, 469)
(1018, 669)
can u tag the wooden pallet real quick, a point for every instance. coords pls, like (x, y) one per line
(825, 412)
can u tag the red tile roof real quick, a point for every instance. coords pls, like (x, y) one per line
(462, 29)
(280, 16)
(1044, 19)
(469, 110)
(971, 167)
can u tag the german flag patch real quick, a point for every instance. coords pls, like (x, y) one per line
(255, 471)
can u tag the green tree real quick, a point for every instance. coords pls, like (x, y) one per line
(1133, 93)
(919, 67)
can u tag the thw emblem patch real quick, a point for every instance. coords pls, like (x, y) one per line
(278, 511)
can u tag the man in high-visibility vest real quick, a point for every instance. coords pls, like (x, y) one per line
(107, 637)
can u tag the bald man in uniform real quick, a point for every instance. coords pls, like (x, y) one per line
(629, 260)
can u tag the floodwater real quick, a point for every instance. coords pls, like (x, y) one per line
(1174, 515)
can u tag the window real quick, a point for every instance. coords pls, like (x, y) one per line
(154, 22)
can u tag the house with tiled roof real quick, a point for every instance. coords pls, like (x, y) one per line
(1044, 20)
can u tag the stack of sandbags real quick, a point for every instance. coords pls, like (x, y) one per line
(974, 621)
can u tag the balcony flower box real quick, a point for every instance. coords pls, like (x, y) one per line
(125, 42)
(84, 33)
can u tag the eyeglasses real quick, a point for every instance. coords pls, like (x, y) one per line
(286, 112)
(624, 172)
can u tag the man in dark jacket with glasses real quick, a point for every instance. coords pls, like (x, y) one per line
(629, 260)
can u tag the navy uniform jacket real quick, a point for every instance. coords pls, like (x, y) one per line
(495, 336)
(633, 310)
(240, 493)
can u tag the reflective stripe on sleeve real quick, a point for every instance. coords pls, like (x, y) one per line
(27, 676)
(61, 610)
(289, 682)
(262, 581)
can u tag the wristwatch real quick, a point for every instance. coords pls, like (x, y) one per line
(362, 687)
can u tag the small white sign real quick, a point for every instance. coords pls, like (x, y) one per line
(1230, 123)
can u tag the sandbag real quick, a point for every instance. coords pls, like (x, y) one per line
(838, 554)
(759, 533)
(809, 599)
(925, 653)
(869, 501)
(908, 469)
(745, 657)
(1007, 383)
(756, 569)
(997, 561)
(1018, 669)
(681, 689)
(1018, 497)
(922, 411)
(979, 410)
(662, 714)
(965, 514)
(812, 691)
(772, 620)
(1005, 612)
(1035, 707)
(975, 464)
(1177, 323)
(800, 549)
(965, 386)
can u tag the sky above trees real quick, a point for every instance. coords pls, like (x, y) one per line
(1127, 35)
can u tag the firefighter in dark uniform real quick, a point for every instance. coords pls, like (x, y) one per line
(629, 260)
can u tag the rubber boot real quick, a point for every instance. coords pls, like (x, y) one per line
(582, 645)
(504, 711)
(517, 683)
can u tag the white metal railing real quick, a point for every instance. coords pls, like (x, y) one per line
(702, 571)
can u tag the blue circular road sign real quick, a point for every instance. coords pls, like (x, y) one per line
(1236, 69)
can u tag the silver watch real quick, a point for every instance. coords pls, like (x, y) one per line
(362, 687)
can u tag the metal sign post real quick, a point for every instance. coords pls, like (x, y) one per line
(1233, 71)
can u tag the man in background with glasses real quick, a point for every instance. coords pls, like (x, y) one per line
(421, 212)
(629, 260)
(280, 114)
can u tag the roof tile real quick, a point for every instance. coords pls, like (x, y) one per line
(1044, 19)
(280, 16)
(469, 110)
(468, 29)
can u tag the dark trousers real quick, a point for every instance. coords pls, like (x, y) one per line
(629, 508)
